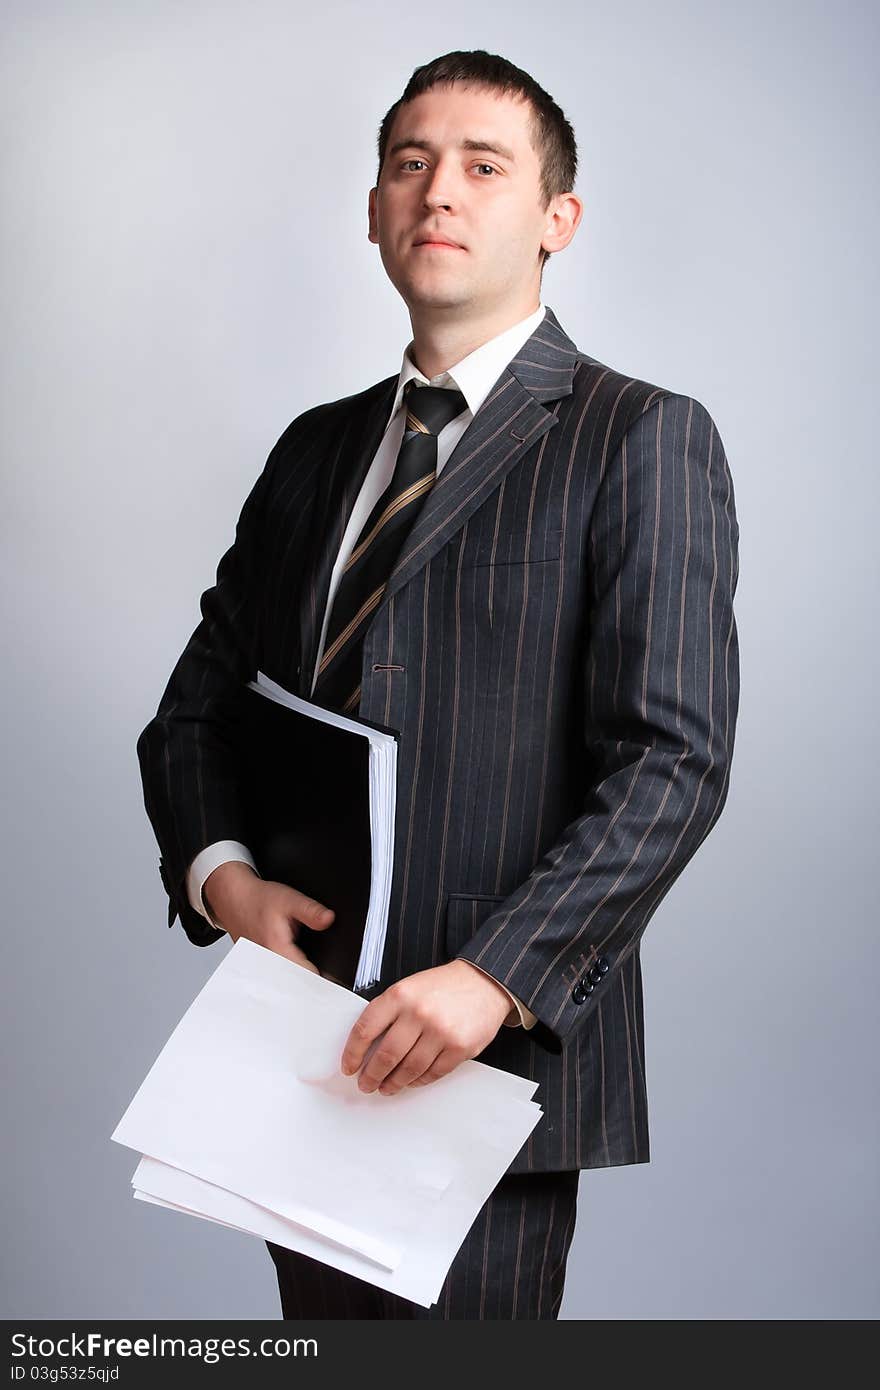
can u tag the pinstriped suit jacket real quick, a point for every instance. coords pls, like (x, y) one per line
(557, 647)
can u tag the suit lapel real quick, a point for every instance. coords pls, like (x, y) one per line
(512, 418)
(341, 481)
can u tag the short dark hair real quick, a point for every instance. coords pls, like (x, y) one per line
(550, 133)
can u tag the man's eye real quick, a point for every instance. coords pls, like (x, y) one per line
(490, 167)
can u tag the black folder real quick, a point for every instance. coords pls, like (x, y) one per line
(306, 798)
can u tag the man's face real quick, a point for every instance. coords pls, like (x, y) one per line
(487, 200)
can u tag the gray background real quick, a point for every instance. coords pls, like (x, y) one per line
(186, 190)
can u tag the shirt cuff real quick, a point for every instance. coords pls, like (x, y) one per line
(205, 862)
(526, 1018)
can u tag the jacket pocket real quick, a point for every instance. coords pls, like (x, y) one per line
(523, 547)
(465, 914)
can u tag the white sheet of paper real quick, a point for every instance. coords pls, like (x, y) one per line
(247, 1098)
(422, 1268)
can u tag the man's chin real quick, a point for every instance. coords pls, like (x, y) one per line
(436, 296)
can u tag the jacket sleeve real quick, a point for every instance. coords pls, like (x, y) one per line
(187, 752)
(660, 671)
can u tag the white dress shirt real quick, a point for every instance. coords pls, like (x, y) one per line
(474, 376)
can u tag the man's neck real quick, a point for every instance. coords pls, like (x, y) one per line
(438, 344)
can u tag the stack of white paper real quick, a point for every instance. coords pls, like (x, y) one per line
(246, 1119)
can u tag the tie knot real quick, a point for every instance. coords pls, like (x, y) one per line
(429, 409)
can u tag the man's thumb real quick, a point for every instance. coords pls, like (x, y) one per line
(312, 913)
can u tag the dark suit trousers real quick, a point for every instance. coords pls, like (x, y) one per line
(511, 1263)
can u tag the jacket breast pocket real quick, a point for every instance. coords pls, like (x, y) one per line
(535, 545)
(465, 914)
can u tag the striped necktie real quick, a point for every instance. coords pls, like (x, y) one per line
(363, 580)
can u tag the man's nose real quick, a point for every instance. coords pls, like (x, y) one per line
(438, 199)
(439, 191)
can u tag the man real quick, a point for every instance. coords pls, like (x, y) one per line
(525, 562)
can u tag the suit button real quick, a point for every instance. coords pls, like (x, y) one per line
(595, 974)
(578, 994)
(586, 985)
(602, 965)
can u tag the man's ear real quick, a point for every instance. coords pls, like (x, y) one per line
(372, 232)
(563, 220)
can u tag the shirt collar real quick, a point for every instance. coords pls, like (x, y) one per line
(475, 374)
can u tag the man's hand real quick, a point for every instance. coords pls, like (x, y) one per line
(434, 1019)
(271, 914)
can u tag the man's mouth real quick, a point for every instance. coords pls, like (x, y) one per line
(430, 241)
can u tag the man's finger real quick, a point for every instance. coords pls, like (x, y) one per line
(412, 1068)
(378, 1015)
(311, 913)
(291, 951)
(293, 954)
(390, 1053)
